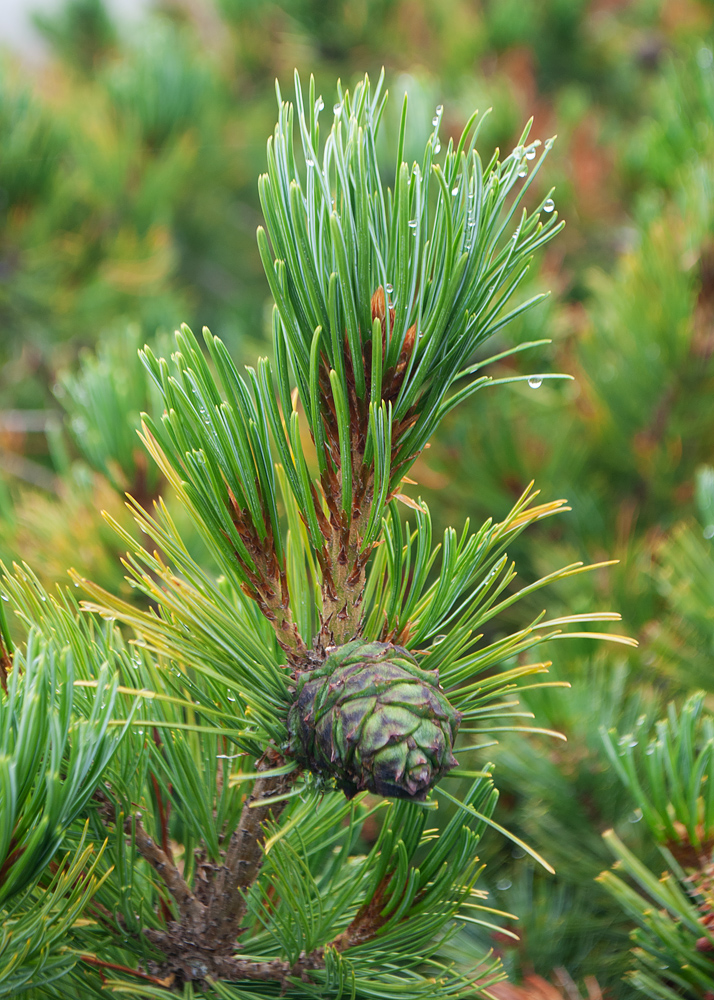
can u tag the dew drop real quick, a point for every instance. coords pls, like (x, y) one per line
(435, 120)
(438, 639)
(320, 104)
(535, 382)
(310, 163)
(231, 697)
(389, 289)
(709, 531)
(635, 816)
(455, 191)
(439, 108)
(650, 750)
(530, 153)
(503, 884)
(337, 108)
(548, 205)
(437, 147)
(412, 223)
(523, 172)
(6, 598)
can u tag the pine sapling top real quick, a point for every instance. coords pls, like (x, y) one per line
(339, 651)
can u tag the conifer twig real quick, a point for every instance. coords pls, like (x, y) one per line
(363, 927)
(6, 651)
(5, 667)
(244, 858)
(100, 964)
(191, 909)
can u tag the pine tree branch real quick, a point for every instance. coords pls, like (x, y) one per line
(199, 947)
(344, 586)
(191, 909)
(276, 970)
(244, 859)
(164, 809)
(266, 580)
(15, 851)
(364, 926)
(93, 960)
(367, 921)
(6, 650)
(5, 668)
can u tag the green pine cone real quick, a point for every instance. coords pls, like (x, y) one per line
(369, 718)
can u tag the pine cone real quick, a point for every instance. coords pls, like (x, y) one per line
(369, 718)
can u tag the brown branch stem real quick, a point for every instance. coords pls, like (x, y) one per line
(244, 859)
(200, 946)
(5, 668)
(5, 661)
(190, 908)
(14, 852)
(164, 810)
(363, 927)
(93, 960)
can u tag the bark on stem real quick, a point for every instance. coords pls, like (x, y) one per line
(365, 925)
(244, 859)
(191, 909)
(5, 665)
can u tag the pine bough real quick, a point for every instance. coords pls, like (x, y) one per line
(188, 791)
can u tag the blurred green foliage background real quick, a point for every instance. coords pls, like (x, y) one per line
(128, 204)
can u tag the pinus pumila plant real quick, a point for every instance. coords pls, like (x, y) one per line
(669, 771)
(286, 720)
